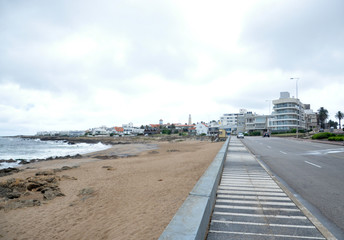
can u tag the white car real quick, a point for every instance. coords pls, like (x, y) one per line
(240, 135)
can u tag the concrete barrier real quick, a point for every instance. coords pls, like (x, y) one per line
(192, 218)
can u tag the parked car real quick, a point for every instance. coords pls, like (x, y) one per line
(240, 135)
(266, 134)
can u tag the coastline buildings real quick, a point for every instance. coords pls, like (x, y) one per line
(201, 128)
(232, 121)
(255, 122)
(288, 113)
(311, 118)
(244, 121)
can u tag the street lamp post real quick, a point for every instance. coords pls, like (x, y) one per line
(269, 105)
(297, 80)
(298, 115)
(267, 117)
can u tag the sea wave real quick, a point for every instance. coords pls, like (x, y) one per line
(19, 149)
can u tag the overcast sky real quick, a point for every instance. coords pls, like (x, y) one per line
(73, 65)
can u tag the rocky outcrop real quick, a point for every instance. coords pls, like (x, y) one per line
(29, 192)
(8, 171)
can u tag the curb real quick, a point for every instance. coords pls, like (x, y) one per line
(192, 218)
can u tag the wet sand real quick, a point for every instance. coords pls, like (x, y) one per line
(111, 196)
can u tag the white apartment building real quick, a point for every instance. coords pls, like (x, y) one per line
(310, 118)
(255, 122)
(288, 113)
(232, 121)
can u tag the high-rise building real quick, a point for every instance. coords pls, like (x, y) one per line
(288, 113)
(189, 120)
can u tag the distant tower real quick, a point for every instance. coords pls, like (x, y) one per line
(161, 122)
(190, 119)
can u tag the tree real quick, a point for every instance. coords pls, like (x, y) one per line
(339, 116)
(332, 124)
(323, 115)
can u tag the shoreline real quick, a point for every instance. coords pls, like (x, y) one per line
(105, 198)
(117, 140)
(113, 152)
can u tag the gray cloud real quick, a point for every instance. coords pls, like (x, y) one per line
(298, 35)
(70, 64)
(150, 31)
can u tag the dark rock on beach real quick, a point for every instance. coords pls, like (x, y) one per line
(23, 161)
(43, 186)
(8, 171)
(45, 173)
(8, 161)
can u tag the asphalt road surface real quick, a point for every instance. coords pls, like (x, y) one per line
(314, 172)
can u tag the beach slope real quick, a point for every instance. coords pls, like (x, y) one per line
(112, 197)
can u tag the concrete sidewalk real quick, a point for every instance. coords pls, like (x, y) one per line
(250, 205)
(192, 219)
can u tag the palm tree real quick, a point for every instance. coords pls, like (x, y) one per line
(323, 115)
(339, 116)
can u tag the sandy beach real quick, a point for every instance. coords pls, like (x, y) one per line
(133, 196)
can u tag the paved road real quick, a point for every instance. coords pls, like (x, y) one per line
(314, 171)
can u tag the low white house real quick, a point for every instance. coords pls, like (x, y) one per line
(99, 131)
(201, 128)
(138, 131)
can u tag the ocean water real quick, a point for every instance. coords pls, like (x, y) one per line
(20, 148)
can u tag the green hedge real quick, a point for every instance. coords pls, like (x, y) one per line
(256, 133)
(336, 138)
(323, 135)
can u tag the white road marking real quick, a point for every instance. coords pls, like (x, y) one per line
(260, 186)
(263, 224)
(253, 184)
(313, 164)
(227, 177)
(265, 234)
(258, 208)
(253, 197)
(269, 146)
(283, 152)
(253, 193)
(259, 215)
(229, 187)
(256, 202)
(325, 151)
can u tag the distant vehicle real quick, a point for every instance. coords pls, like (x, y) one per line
(266, 134)
(321, 130)
(240, 135)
